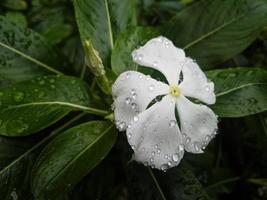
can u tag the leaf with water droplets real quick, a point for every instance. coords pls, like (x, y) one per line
(99, 21)
(239, 91)
(30, 106)
(24, 54)
(80, 149)
(218, 37)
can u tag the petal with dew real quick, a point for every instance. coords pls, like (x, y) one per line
(132, 93)
(198, 124)
(155, 136)
(160, 53)
(195, 83)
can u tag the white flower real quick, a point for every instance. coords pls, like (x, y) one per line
(152, 130)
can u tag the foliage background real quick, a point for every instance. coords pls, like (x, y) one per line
(229, 36)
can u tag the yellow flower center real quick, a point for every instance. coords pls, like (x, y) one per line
(175, 91)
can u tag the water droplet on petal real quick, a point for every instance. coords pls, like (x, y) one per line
(153, 153)
(133, 106)
(164, 167)
(172, 123)
(169, 163)
(151, 87)
(151, 160)
(180, 147)
(158, 151)
(129, 135)
(128, 100)
(175, 157)
(188, 139)
(135, 118)
(207, 88)
(155, 64)
(197, 146)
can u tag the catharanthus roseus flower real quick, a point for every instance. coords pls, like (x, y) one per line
(152, 130)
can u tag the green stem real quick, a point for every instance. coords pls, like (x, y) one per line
(30, 58)
(83, 70)
(157, 184)
(223, 182)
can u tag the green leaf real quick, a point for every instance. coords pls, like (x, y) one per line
(14, 4)
(181, 183)
(212, 31)
(240, 91)
(132, 38)
(24, 54)
(31, 106)
(18, 18)
(15, 177)
(80, 149)
(99, 20)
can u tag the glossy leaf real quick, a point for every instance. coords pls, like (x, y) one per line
(212, 31)
(30, 106)
(132, 38)
(99, 21)
(24, 54)
(240, 91)
(80, 149)
(181, 183)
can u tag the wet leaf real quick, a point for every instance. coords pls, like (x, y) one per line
(80, 149)
(34, 105)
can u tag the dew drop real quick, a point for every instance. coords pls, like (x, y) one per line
(151, 87)
(181, 147)
(18, 96)
(153, 153)
(121, 126)
(175, 157)
(196, 146)
(207, 88)
(172, 123)
(133, 106)
(158, 151)
(151, 160)
(135, 118)
(155, 64)
(129, 135)
(164, 167)
(169, 163)
(128, 100)
(188, 139)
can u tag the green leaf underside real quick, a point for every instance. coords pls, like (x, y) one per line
(213, 31)
(99, 20)
(33, 105)
(80, 149)
(23, 54)
(129, 40)
(240, 91)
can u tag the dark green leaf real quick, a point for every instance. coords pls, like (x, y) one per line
(80, 149)
(132, 38)
(18, 18)
(212, 31)
(240, 91)
(24, 54)
(99, 20)
(30, 106)
(180, 183)
(14, 4)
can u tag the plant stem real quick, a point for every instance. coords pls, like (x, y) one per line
(156, 183)
(223, 182)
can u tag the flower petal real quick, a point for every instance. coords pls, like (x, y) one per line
(160, 53)
(155, 137)
(195, 83)
(132, 93)
(198, 124)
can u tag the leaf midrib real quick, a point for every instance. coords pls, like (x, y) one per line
(79, 154)
(80, 107)
(31, 59)
(238, 88)
(214, 31)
